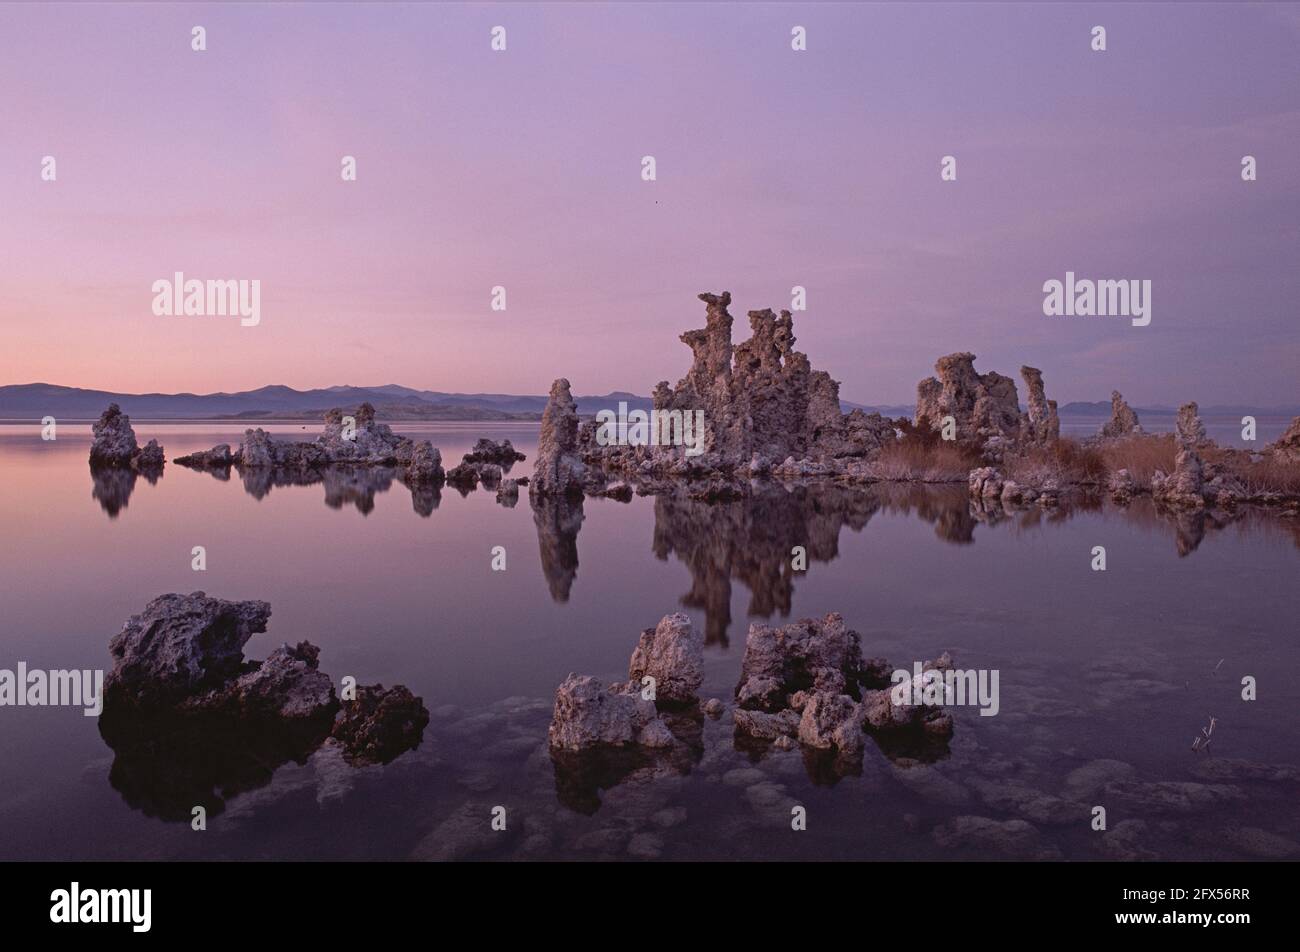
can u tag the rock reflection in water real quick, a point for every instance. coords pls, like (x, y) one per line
(558, 519)
(112, 485)
(581, 776)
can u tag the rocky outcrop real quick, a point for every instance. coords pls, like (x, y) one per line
(768, 401)
(590, 715)
(502, 454)
(1123, 421)
(179, 670)
(114, 443)
(350, 439)
(559, 470)
(1287, 447)
(671, 653)
(983, 406)
(181, 646)
(1121, 486)
(1042, 424)
(1184, 487)
(357, 438)
(380, 724)
(217, 457)
(808, 655)
(1189, 430)
(808, 680)
(425, 466)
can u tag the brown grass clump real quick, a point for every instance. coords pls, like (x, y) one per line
(1066, 461)
(1141, 455)
(1268, 475)
(921, 456)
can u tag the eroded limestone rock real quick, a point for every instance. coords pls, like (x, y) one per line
(983, 406)
(673, 654)
(559, 470)
(589, 715)
(114, 443)
(1123, 420)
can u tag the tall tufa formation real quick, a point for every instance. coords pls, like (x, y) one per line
(983, 406)
(762, 397)
(1042, 424)
(559, 470)
(1189, 428)
(1123, 421)
(114, 443)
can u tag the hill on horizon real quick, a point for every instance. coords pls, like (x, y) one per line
(395, 402)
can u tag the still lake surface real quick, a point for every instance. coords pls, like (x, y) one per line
(1126, 665)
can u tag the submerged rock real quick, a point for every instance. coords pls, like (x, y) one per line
(380, 724)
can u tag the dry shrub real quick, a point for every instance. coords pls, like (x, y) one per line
(1066, 461)
(1268, 475)
(917, 457)
(1140, 455)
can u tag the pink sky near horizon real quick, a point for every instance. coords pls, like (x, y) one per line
(775, 168)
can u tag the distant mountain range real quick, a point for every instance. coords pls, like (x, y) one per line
(31, 402)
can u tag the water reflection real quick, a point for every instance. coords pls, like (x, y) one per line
(111, 486)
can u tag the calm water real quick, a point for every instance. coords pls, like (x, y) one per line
(1125, 665)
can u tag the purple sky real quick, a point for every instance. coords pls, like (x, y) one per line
(775, 168)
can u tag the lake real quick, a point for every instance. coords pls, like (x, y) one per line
(1105, 677)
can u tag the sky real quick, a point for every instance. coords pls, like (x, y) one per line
(774, 168)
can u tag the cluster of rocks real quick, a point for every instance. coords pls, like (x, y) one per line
(114, 444)
(487, 463)
(765, 411)
(589, 714)
(804, 683)
(1194, 482)
(987, 484)
(985, 408)
(808, 682)
(185, 712)
(348, 439)
(1287, 447)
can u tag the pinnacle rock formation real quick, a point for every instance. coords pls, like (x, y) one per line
(114, 443)
(1042, 423)
(761, 397)
(983, 406)
(558, 470)
(1287, 447)
(1123, 421)
(1190, 430)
